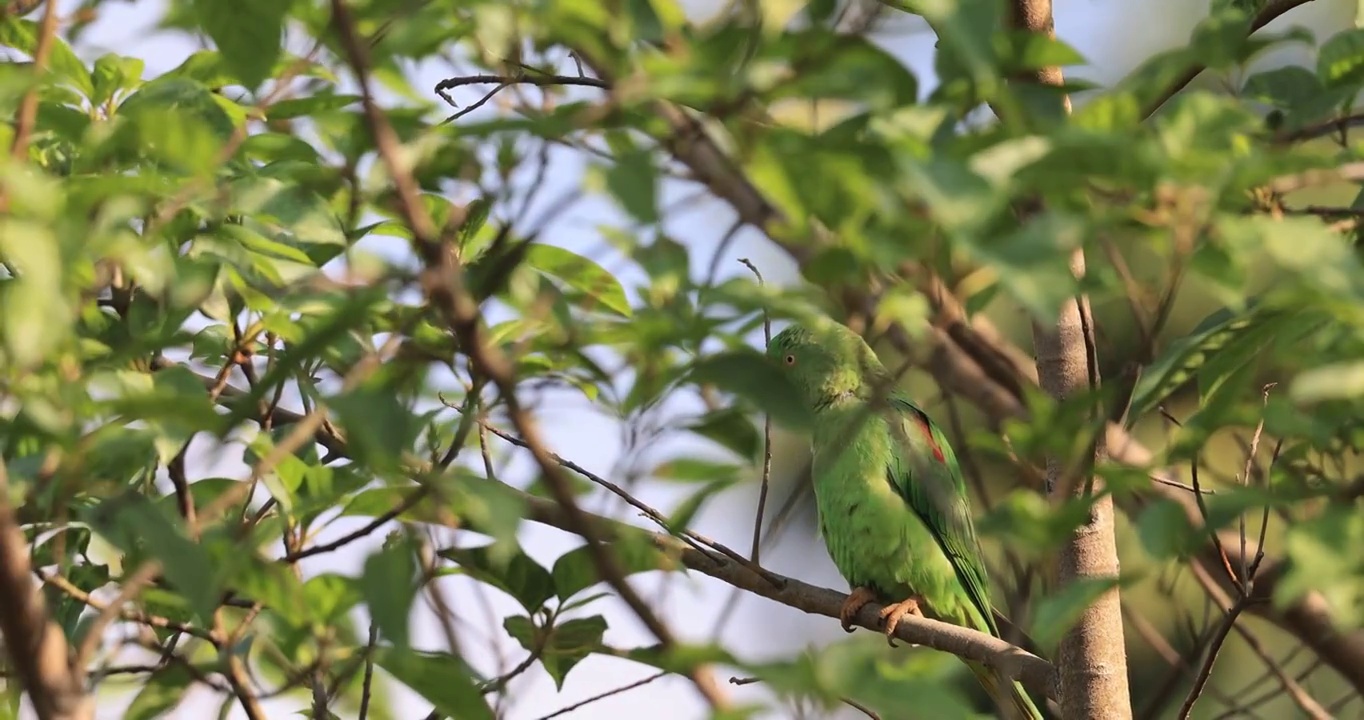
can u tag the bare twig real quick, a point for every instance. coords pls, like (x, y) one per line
(845, 700)
(690, 537)
(368, 681)
(1210, 655)
(767, 438)
(409, 502)
(615, 691)
(1245, 579)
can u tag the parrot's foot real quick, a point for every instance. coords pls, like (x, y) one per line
(860, 596)
(891, 614)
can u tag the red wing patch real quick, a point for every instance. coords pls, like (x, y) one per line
(922, 422)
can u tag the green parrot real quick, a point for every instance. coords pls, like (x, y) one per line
(893, 508)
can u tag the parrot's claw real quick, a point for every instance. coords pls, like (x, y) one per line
(858, 599)
(891, 614)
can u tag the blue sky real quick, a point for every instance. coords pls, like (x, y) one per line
(1114, 36)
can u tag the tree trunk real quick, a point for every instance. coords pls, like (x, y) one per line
(1092, 659)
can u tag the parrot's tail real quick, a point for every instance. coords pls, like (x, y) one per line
(1007, 693)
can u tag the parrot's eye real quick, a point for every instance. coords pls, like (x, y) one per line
(790, 359)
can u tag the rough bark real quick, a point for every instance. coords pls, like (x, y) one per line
(1091, 661)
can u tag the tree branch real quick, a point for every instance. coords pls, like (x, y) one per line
(1268, 14)
(1034, 672)
(971, 359)
(36, 645)
(444, 286)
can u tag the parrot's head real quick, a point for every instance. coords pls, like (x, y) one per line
(825, 362)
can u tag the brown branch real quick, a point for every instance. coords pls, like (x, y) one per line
(28, 106)
(35, 644)
(444, 87)
(1349, 172)
(237, 675)
(443, 283)
(1268, 14)
(94, 634)
(1334, 126)
(1219, 637)
(1219, 597)
(973, 360)
(1034, 672)
(411, 501)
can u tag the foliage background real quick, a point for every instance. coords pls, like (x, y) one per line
(1114, 37)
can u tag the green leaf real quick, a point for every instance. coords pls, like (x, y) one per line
(377, 425)
(634, 182)
(681, 517)
(560, 647)
(1057, 612)
(1334, 381)
(247, 32)
(1165, 531)
(1184, 357)
(840, 66)
(755, 378)
(162, 692)
(576, 571)
(690, 469)
(900, 685)
(445, 680)
(22, 35)
(329, 597)
(518, 576)
(1322, 557)
(1340, 60)
(132, 523)
(730, 428)
(389, 586)
(302, 107)
(112, 74)
(183, 101)
(580, 274)
(1284, 87)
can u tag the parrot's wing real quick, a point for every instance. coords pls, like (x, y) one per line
(925, 472)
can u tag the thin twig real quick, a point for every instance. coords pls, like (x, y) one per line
(767, 437)
(409, 502)
(368, 681)
(444, 87)
(603, 696)
(1210, 657)
(1244, 581)
(845, 700)
(688, 536)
